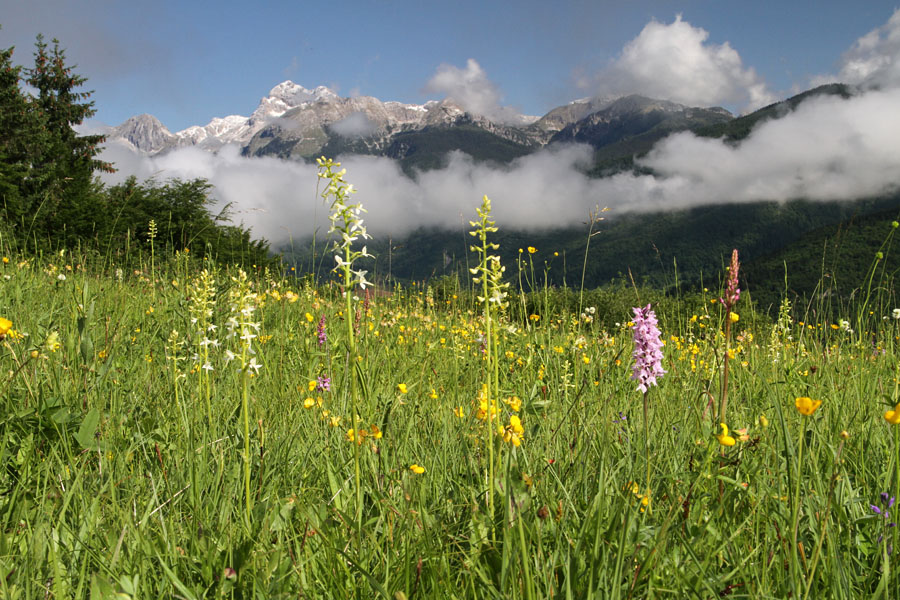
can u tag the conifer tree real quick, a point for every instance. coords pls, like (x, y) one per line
(14, 129)
(60, 187)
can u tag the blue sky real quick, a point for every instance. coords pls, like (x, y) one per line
(187, 62)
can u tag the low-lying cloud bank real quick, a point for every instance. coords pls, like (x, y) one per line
(828, 149)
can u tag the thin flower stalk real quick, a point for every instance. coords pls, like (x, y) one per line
(647, 368)
(489, 275)
(347, 225)
(202, 294)
(732, 295)
(240, 325)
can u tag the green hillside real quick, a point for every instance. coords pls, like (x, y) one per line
(739, 128)
(428, 148)
(688, 247)
(828, 266)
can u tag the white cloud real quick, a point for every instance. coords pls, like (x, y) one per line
(675, 62)
(354, 125)
(827, 149)
(874, 59)
(472, 89)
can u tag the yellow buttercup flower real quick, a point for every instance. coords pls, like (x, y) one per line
(807, 406)
(734, 317)
(893, 416)
(514, 403)
(401, 387)
(418, 470)
(531, 249)
(724, 438)
(5, 325)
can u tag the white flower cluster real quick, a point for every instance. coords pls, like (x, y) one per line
(202, 292)
(489, 272)
(240, 324)
(346, 221)
(588, 313)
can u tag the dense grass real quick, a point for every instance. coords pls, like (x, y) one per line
(123, 460)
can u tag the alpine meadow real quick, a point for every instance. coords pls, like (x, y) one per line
(405, 377)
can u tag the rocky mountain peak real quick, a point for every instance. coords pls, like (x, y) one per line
(145, 133)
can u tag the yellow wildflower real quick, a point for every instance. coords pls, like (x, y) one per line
(416, 469)
(806, 406)
(893, 416)
(514, 431)
(514, 403)
(724, 438)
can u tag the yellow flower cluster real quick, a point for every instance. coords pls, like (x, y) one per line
(644, 499)
(512, 433)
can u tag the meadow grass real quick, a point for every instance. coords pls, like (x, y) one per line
(192, 431)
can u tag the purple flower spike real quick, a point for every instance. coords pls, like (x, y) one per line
(647, 353)
(732, 291)
(320, 331)
(323, 384)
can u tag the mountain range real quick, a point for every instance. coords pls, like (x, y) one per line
(293, 122)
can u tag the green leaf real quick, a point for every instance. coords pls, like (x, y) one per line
(85, 435)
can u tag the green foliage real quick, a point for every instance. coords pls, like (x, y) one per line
(122, 459)
(50, 199)
(822, 270)
(47, 177)
(181, 210)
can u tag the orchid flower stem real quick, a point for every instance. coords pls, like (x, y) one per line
(796, 505)
(724, 395)
(647, 435)
(245, 409)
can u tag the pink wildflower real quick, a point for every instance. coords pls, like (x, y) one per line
(647, 349)
(732, 291)
(320, 331)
